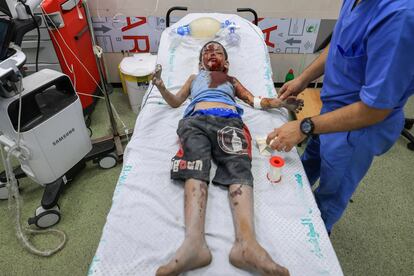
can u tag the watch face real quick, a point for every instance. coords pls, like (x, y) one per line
(306, 127)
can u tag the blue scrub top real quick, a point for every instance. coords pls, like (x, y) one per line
(371, 59)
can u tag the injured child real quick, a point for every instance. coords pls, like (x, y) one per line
(212, 129)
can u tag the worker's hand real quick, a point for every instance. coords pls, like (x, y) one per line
(293, 104)
(292, 88)
(285, 137)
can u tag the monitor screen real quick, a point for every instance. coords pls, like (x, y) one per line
(5, 36)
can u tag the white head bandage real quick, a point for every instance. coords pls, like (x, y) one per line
(256, 102)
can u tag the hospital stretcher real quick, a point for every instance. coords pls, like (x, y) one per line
(145, 224)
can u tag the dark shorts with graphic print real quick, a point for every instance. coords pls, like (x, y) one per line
(226, 141)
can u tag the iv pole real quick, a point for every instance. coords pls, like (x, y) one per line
(98, 57)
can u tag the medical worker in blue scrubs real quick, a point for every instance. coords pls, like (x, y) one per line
(369, 75)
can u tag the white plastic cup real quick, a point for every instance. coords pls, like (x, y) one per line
(276, 164)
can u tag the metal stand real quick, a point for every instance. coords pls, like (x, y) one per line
(115, 137)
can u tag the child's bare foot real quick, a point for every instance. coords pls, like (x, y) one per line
(191, 255)
(251, 256)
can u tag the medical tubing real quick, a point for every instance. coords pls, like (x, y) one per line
(20, 231)
(38, 41)
(115, 112)
(70, 50)
(156, 8)
(19, 120)
(13, 191)
(10, 197)
(74, 77)
(84, 67)
(122, 122)
(90, 95)
(29, 11)
(60, 49)
(146, 98)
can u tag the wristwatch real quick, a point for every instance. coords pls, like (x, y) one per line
(307, 126)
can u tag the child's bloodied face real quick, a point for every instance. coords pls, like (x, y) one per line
(213, 58)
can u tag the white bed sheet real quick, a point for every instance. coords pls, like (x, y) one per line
(146, 225)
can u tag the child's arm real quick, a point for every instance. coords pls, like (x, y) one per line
(291, 103)
(174, 100)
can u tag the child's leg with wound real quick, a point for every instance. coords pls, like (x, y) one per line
(246, 252)
(193, 253)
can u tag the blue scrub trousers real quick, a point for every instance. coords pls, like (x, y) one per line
(340, 160)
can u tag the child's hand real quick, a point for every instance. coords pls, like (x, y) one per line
(157, 82)
(271, 103)
(293, 104)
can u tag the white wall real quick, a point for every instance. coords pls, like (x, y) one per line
(281, 63)
(326, 9)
